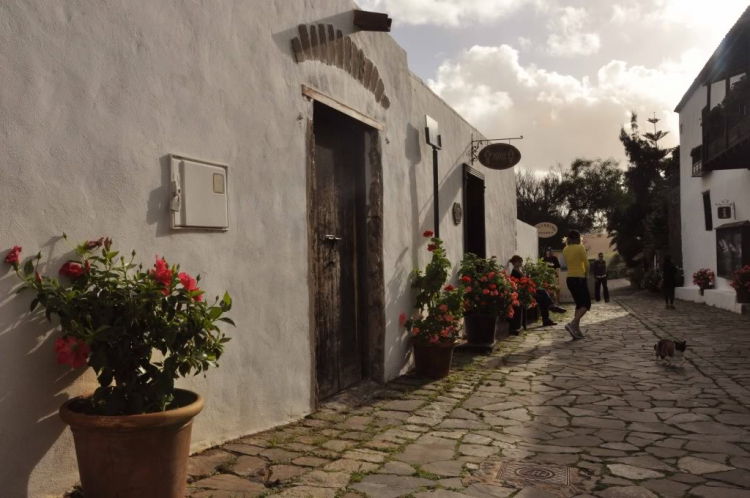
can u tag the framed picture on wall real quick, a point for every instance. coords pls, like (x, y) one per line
(732, 248)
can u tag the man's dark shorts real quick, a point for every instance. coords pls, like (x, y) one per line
(579, 289)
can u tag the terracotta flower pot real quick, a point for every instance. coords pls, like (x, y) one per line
(134, 455)
(481, 329)
(743, 296)
(432, 360)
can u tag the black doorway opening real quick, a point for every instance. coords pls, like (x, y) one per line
(475, 235)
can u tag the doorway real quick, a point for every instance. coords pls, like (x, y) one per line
(338, 227)
(475, 236)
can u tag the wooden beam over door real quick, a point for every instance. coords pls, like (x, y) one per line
(342, 108)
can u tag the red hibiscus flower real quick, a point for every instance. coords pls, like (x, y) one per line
(449, 288)
(71, 351)
(402, 319)
(189, 284)
(14, 256)
(428, 233)
(162, 273)
(71, 270)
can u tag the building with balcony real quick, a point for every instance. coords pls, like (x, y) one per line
(715, 168)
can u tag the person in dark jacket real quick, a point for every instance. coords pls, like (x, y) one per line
(600, 278)
(543, 299)
(668, 281)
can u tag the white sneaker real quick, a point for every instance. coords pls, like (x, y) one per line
(571, 331)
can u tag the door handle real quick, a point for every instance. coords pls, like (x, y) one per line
(331, 238)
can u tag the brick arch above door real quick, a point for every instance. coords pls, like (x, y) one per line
(323, 43)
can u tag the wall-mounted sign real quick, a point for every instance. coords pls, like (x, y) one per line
(546, 230)
(499, 156)
(458, 213)
(432, 133)
(725, 210)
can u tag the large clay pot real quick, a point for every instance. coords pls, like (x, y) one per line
(129, 456)
(743, 296)
(432, 360)
(481, 329)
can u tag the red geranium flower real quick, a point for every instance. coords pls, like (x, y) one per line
(449, 288)
(71, 270)
(14, 256)
(189, 284)
(428, 233)
(162, 273)
(468, 289)
(71, 351)
(491, 274)
(443, 307)
(402, 319)
(493, 286)
(431, 247)
(485, 291)
(466, 279)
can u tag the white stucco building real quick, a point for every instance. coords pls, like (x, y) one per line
(715, 169)
(321, 126)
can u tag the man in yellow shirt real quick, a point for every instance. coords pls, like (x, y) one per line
(578, 268)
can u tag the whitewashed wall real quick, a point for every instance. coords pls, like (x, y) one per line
(699, 244)
(94, 95)
(527, 240)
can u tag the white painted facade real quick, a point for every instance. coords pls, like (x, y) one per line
(93, 99)
(527, 240)
(699, 244)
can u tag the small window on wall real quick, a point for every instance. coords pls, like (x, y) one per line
(707, 211)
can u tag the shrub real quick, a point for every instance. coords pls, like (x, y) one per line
(438, 307)
(488, 290)
(114, 315)
(542, 274)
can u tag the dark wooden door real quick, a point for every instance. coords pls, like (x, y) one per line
(338, 229)
(475, 238)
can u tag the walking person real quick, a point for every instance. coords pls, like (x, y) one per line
(543, 299)
(668, 281)
(578, 268)
(554, 263)
(600, 278)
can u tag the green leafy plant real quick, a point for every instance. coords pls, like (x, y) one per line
(651, 280)
(488, 289)
(138, 329)
(438, 307)
(542, 274)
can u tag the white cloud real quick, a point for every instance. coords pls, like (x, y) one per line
(561, 116)
(524, 43)
(713, 17)
(568, 37)
(446, 12)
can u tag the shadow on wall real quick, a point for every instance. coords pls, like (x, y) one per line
(33, 385)
(398, 287)
(413, 152)
(158, 201)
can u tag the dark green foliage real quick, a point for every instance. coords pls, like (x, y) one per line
(142, 332)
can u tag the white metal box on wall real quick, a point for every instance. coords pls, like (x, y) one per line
(199, 194)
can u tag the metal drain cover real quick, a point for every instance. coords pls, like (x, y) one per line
(534, 473)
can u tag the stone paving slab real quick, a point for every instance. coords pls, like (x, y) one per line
(623, 424)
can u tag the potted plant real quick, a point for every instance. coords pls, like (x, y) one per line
(489, 298)
(741, 284)
(544, 276)
(704, 279)
(435, 323)
(139, 330)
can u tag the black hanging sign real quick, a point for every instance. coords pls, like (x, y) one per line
(499, 156)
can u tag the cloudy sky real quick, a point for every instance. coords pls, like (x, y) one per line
(563, 73)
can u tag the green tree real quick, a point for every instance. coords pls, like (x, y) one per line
(579, 198)
(638, 223)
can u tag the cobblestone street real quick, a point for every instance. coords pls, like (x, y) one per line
(544, 416)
